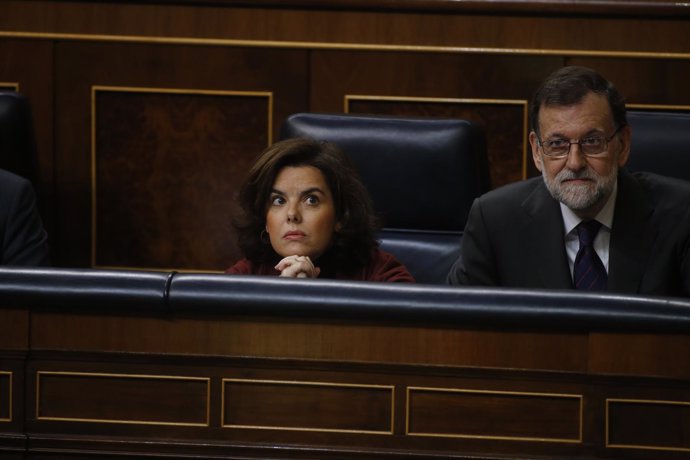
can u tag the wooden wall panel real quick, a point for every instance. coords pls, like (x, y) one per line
(656, 425)
(505, 415)
(167, 167)
(285, 339)
(5, 396)
(389, 25)
(109, 396)
(307, 406)
(204, 144)
(14, 329)
(310, 58)
(122, 398)
(645, 81)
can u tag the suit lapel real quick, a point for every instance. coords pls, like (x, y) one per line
(547, 246)
(631, 236)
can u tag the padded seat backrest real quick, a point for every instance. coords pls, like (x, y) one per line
(422, 174)
(660, 143)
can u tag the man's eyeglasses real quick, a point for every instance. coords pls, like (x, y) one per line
(591, 146)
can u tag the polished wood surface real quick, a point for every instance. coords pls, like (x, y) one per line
(254, 387)
(609, 7)
(179, 81)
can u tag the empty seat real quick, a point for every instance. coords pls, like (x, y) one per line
(660, 143)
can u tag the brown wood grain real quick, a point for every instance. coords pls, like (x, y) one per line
(310, 55)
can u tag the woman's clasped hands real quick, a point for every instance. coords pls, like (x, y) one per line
(297, 267)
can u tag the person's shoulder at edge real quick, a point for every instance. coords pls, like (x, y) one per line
(662, 186)
(25, 241)
(9, 180)
(506, 202)
(514, 190)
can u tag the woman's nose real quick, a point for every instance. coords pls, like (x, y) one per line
(293, 214)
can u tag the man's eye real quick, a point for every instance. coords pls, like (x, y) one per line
(591, 141)
(557, 143)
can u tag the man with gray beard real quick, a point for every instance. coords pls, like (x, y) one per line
(587, 223)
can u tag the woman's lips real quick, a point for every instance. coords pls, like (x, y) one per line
(294, 235)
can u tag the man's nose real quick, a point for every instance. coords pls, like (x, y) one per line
(575, 159)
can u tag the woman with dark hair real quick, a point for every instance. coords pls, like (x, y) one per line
(306, 214)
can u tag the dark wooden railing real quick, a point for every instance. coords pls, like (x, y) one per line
(129, 364)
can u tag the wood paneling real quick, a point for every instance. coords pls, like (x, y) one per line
(5, 396)
(342, 389)
(487, 414)
(655, 425)
(122, 398)
(632, 354)
(307, 406)
(309, 55)
(14, 329)
(539, 30)
(168, 165)
(339, 341)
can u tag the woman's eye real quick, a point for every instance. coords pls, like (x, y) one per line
(312, 199)
(277, 200)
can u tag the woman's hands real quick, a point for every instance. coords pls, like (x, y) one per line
(297, 267)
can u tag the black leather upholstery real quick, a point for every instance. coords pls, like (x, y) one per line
(660, 143)
(17, 141)
(94, 290)
(422, 174)
(169, 294)
(414, 303)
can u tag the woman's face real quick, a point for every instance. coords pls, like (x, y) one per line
(301, 215)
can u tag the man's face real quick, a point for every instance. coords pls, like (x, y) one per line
(581, 182)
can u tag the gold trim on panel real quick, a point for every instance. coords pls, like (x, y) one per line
(497, 437)
(12, 84)
(9, 403)
(342, 46)
(448, 100)
(635, 446)
(308, 383)
(126, 89)
(130, 376)
(658, 107)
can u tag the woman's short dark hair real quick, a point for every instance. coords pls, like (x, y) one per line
(568, 86)
(355, 240)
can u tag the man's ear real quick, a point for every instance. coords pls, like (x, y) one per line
(534, 144)
(625, 140)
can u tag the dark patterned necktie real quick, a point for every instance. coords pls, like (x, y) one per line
(589, 273)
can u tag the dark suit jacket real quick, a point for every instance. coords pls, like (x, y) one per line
(23, 241)
(514, 237)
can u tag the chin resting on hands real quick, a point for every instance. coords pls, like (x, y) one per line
(297, 267)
